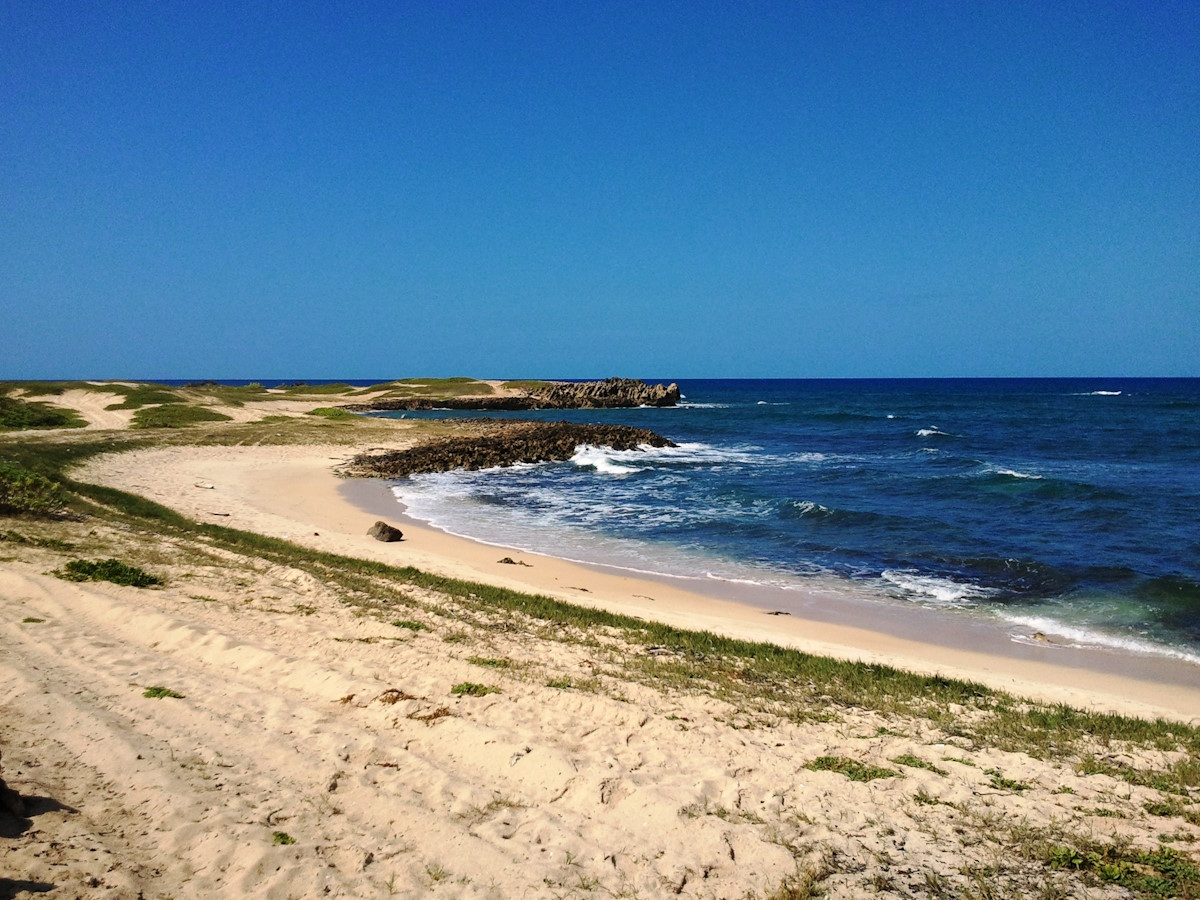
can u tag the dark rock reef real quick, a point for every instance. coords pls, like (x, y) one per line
(612, 393)
(500, 443)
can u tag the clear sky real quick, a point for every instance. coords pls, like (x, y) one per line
(579, 189)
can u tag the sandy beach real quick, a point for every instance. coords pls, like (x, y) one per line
(325, 745)
(293, 493)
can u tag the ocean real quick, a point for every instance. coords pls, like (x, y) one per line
(1069, 507)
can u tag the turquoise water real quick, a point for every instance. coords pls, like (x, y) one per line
(1068, 506)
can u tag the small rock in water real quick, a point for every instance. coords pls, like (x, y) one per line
(382, 531)
(1039, 636)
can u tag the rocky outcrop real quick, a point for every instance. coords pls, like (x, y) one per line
(608, 394)
(498, 443)
(612, 393)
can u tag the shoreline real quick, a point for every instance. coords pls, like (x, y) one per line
(293, 493)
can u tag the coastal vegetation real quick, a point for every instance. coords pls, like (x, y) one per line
(1126, 790)
(158, 692)
(29, 493)
(16, 414)
(175, 415)
(107, 570)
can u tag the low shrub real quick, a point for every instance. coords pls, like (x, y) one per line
(107, 570)
(851, 768)
(175, 415)
(22, 491)
(332, 412)
(19, 414)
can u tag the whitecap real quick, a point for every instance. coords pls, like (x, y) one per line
(934, 431)
(808, 508)
(1010, 473)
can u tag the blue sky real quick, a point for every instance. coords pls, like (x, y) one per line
(582, 189)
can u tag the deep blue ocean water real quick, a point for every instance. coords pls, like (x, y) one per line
(1068, 506)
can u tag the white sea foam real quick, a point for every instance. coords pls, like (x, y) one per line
(808, 508)
(604, 460)
(1102, 394)
(1074, 636)
(934, 590)
(690, 405)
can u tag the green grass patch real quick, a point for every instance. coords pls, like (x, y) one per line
(1156, 873)
(1005, 784)
(18, 414)
(333, 412)
(143, 395)
(1180, 778)
(158, 692)
(175, 415)
(282, 839)
(16, 537)
(107, 570)
(490, 662)
(473, 689)
(1172, 807)
(525, 385)
(29, 493)
(301, 387)
(410, 625)
(434, 387)
(32, 620)
(851, 768)
(561, 683)
(915, 762)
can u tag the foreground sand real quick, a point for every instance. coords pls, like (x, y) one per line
(307, 717)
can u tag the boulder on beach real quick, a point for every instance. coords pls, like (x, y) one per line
(382, 531)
